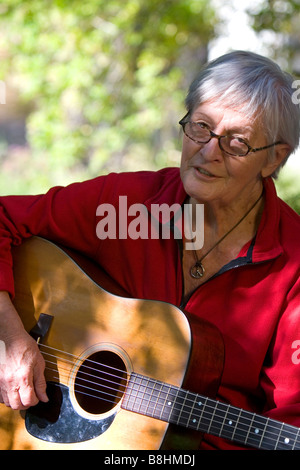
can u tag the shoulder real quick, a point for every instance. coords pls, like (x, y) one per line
(289, 215)
(279, 212)
(141, 185)
(289, 228)
(145, 179)
(279, 229)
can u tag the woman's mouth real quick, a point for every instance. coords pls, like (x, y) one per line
(204, 172)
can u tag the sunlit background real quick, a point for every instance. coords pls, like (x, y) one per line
(96, 86)
(236, 32)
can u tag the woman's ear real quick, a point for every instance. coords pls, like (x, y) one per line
(281, 153)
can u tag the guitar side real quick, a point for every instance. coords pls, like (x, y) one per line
(151, 338)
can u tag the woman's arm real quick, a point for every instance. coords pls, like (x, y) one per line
(281, 374)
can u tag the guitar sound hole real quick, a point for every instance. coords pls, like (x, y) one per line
(100, 382)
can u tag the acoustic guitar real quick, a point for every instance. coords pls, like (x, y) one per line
(120, 372)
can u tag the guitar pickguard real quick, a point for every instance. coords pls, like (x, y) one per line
(57, 421)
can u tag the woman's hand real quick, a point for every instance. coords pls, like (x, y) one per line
(22, 380)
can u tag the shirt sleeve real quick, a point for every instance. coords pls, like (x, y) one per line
(64, 215)
(281, 373)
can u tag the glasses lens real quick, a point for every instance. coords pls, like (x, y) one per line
(234, 146)
(196, 132)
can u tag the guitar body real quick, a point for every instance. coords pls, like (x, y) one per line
(91, 326)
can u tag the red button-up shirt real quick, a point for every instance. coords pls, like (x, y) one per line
(254, 300)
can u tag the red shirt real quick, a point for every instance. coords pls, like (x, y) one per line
(254, 300)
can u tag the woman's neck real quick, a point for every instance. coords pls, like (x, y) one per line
(220, 218)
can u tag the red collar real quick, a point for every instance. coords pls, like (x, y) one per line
(267, 243)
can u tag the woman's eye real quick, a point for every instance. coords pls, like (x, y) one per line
(241, 140)
(238, 140)
(203, 125)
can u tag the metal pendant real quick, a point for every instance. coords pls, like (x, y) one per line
(197, 271)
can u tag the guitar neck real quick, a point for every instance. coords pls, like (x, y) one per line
(174, 405)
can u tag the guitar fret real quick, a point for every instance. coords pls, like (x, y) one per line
(174, 405)
(287, 438)
(249, 429)
(192, 419)
(223, 419)
(211, 420)
(296, 441)
(149, 398)
(243, 427)
(170, 402)
(160, 402)
(219, 417)
(236, 424)
(263, 433)
(177, 415)
(156, 400)
(278, 438)
(144, 403)
(186, 414)
(230, 423)
(132, 398)
(201, 406)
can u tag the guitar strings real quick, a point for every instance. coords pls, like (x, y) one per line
(145, 394)
(237, 434)
(80, 392)
(78, 358)
(90, 375)
(123, 372)
(86, 380)
(207, 406)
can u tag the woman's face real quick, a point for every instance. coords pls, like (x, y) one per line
(209, 174)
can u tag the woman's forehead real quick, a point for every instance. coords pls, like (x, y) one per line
(231, 115)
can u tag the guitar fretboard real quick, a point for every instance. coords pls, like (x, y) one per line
(171, 404)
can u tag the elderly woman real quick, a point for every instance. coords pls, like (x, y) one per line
(241, 125)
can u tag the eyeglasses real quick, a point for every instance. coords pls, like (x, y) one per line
(200, 133)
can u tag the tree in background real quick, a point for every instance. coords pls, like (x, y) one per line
(282, 19)
(103, 84)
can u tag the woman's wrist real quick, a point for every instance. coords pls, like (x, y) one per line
(10, 322)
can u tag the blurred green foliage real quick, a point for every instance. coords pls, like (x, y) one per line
(288, 188)
(282, 19)
(104, 80)
(101, 84)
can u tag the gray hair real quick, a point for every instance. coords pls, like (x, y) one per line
(261, 89)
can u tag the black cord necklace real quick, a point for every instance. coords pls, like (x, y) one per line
(197, 271)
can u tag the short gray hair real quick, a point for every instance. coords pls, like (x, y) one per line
(261, 89)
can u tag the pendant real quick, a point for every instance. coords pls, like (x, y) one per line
(197, 271)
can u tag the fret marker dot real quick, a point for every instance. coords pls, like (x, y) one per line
(256, 431)
(286, 440)
(169, 403)
(230, 423)
(200, 403)
(194, 421)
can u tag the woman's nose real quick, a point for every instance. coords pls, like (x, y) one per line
(212, 151)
